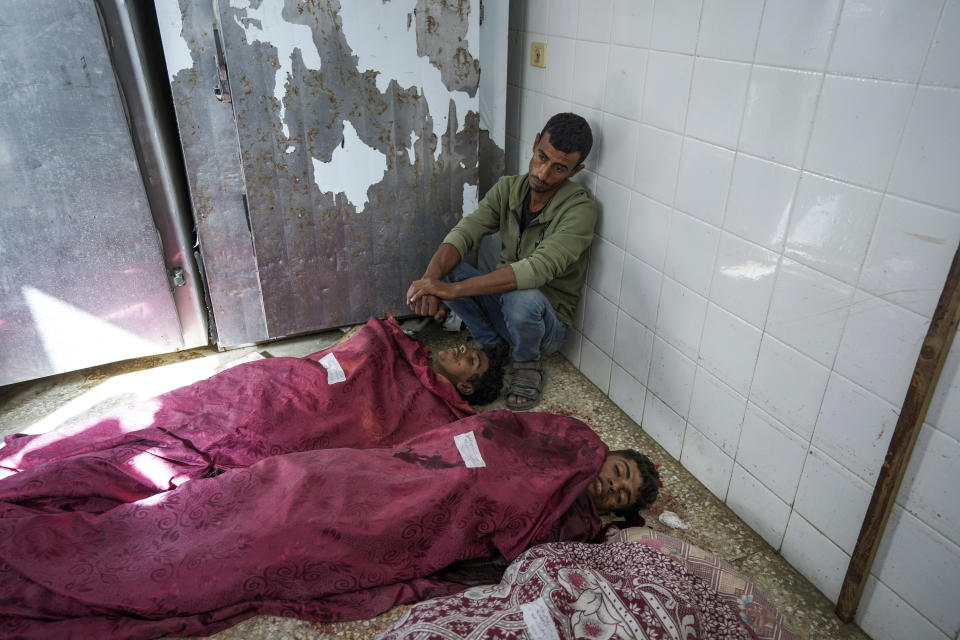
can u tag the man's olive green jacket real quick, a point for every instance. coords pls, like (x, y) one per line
(551, 254)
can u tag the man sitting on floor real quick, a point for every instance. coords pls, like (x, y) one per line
(546, 226)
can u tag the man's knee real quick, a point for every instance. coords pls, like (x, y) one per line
(524, 305)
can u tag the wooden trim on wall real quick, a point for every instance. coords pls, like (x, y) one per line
(933, 353)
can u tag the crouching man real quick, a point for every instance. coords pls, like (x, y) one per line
(546, 225)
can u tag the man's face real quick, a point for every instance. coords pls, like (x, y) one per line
(617, 486)
(549, 167)
(461, 365)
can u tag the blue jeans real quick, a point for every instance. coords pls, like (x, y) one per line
(524, 317)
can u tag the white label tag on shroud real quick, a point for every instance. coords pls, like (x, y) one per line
(539, 622)
(335, 373)
(469, 451)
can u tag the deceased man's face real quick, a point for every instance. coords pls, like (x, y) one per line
(461, 365)
(617, 486)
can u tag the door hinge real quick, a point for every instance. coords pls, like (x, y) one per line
(222, 90)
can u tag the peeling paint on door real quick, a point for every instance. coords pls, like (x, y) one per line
(338, 245)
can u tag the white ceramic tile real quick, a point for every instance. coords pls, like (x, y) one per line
(944, 411)
(631, 22)
(658, 160)
(831, 225)
(761, 195)
(929, 485)
(910, 255)
(691, 251)
(627, 393)
(648, 230)
(928, 162)
(729, 28)
(704, 180)
(941, 66)
(671, 377)
(797, 34)
(562, 19)
(789, 385)
(617, 151)
(613, 202)
(832, 499)
(729, 348)
(707, 462)
(778, 114)
(594, 118)
(640, 290)
(623, 94)
(599, 320)
(680, 317)
(587, 82)
(633, 347)
(771, 453)
(808, 311)
(884, 38)
(717, 411)
(531, 120)
(553, 105)
(605, 270)
(717, 97)
(667, 90)
(886, 616)
(570, 349)
(663, 424)
(535, 14)
(879, 347)
(759, 507)
(594, 21)
(858, 127)
(815, 556)
(531, 77)
(558, 81)
(854, 427)
(922, 567)
(743, 278)
(586, 179)
(595, 365)
(675, 25)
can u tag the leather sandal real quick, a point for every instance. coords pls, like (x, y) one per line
(524, 387)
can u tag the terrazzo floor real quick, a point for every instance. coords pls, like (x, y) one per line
(40, 405)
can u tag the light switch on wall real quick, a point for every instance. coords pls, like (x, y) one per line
(538, 54)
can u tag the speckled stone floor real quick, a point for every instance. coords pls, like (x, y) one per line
(39, 405)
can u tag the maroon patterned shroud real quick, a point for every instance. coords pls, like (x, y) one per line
(612, 591)
(331, 534)
(234, 419)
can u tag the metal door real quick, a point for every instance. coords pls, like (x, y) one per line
(84, 203)
(354, 150)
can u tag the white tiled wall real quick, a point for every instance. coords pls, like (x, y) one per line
(779, 184)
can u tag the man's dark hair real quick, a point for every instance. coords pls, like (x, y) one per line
(568, 133)
(487, 387)
(651, 482)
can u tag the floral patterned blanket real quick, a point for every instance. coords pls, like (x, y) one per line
(652, 589)
(731, 586)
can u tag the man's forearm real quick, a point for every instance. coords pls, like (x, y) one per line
(443, 261)
(499, 281)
